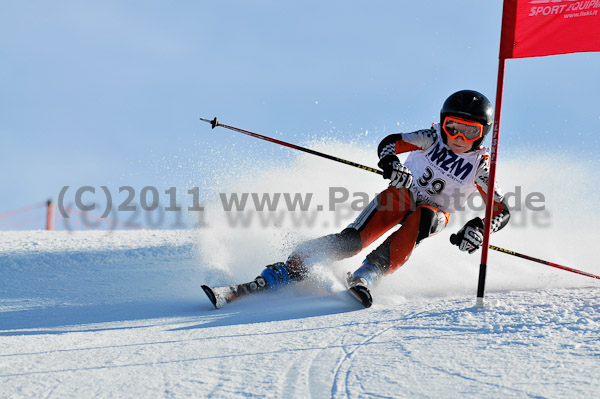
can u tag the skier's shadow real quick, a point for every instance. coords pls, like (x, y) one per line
(269, 307)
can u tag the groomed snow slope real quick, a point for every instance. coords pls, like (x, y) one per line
(121, 314)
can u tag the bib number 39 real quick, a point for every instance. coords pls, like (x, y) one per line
(431, 185)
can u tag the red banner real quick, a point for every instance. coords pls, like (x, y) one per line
(533, 28)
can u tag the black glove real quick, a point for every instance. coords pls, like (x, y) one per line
(470, 237)
(387, 164)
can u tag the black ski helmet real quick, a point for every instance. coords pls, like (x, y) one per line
(470, 105)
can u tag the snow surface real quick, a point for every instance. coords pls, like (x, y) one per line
(121, 314)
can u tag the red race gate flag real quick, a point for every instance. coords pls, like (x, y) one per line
(533, 28)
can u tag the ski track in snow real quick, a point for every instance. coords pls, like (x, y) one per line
(131, 321)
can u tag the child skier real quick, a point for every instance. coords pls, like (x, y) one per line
(446, 165)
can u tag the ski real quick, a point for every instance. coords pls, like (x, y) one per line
(220, 296)
(216, 297)
(362, 295)
(359, 290)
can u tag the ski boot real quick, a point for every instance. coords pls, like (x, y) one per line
(272, 277)
(279, 274)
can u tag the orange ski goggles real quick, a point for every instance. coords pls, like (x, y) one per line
(469, 131)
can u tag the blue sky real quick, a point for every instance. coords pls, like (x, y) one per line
(110, 92)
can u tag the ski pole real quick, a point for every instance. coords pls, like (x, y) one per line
(214, 123)
(544, 262)
(454, 240)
